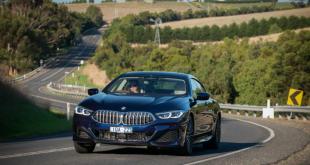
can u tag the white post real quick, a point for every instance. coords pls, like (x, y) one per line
(68, 111)
(268, 112)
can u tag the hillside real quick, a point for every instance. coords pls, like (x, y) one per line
(226, 20)
(112, 10)
(263, 38)
(20, 118)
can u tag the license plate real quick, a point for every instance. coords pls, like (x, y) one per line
(121, 129)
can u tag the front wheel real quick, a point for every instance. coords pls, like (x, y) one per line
(187, 149)
(84, 147)
(152, 149)
(214, 142)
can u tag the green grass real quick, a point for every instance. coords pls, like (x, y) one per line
(20, 118)
(79, 79)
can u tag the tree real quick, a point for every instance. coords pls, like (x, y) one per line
(215, 33)
(94, 13)
(274, 29)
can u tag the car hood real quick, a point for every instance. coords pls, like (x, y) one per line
(135, 103)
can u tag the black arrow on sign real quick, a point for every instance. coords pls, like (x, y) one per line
(293, 97)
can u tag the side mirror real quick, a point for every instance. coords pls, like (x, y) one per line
(203, 96)
(92, 91)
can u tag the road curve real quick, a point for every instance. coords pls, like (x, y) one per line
(60, 150)
(55, 72)
(241, 144)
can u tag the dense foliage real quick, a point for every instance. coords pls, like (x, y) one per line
(143, 34)
(234, 72)
(143, 18)
(34, 30)
(93, 12)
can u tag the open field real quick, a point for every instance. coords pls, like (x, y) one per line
(113, 10)
(225, 20)
(262, 38)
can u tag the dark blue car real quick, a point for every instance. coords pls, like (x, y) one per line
(153, 109)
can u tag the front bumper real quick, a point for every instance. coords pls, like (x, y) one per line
(160, 134)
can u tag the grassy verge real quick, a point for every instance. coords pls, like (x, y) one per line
(78, 78)
(20, 118)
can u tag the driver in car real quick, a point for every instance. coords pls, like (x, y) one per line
(133, 87)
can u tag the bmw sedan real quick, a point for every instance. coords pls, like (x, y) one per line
(153, 109)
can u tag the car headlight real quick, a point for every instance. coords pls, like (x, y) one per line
(82, 111)
(170, 115)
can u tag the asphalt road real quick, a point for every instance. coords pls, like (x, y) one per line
(34, 87)
(244, 141)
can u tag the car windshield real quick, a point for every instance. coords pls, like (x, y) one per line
(148, 86)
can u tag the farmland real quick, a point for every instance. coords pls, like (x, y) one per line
(112, 10)
(225, 20)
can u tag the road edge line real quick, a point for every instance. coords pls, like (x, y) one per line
(270, 137)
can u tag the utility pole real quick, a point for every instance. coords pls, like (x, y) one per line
(157, 22)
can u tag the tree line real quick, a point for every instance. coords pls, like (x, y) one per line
(233, 71)
(143, 34)
(144, 18)
(34, 30)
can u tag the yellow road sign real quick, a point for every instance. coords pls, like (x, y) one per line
(294, 97)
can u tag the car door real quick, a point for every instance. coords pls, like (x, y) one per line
(203, 109)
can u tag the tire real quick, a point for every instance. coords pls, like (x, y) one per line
(187, 148)
(152, 149)
(84, 147)
(214, 142)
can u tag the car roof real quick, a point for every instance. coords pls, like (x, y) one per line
(157, 74)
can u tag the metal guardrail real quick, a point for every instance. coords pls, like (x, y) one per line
(64, 89)
(299, 109)
(32, 73)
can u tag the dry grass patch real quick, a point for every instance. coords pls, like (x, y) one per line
(95, 75)
(112, 10)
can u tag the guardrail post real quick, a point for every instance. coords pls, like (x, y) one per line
(68, 111)
(304, 118)
(288, 117)
(246, 114)
(254, 114)
(268, 112)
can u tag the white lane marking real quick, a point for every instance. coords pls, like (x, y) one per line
(51, 75)
(52, 100)
(271, 136)
(36, 153)
(61, 69)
